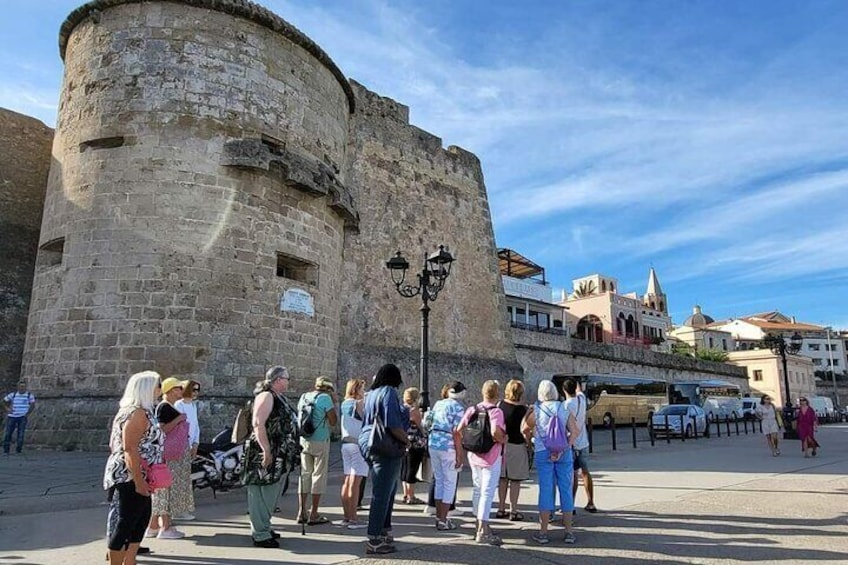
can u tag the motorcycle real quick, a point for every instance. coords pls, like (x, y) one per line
(217, 465)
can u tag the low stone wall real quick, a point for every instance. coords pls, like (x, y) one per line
(545, 355)
(363, 362)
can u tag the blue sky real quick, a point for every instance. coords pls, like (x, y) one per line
(708, 139)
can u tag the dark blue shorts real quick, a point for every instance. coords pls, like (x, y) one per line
(581, 459)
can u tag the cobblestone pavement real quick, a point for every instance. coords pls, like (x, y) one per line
(709, 501)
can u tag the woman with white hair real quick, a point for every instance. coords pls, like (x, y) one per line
(446, 453)
(135, 444)
(554, 432)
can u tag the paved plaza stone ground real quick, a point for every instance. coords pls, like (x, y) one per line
(708, 501)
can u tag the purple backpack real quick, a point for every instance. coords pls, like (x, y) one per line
(554, 439)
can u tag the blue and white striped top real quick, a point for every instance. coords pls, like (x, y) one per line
(20, 403)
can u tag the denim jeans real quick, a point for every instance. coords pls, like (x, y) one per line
(12, 424)
(384, 484)
(555, 476)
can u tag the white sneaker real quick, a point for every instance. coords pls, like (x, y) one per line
(354, 525)
(148, 533)
(342, 523)
(456, 513)
(171, 533)
(185, 518)
(429, 510)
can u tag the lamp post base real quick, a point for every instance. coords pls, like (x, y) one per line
(789, 431)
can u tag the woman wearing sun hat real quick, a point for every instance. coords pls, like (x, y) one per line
(173, 501)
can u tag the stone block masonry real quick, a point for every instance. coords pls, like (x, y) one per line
(24, 164)
(412, 195)
(177, 246)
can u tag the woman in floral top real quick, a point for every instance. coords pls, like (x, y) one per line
(135, 444)
(446, 453)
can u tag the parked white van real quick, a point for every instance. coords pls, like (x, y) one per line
(822, 405)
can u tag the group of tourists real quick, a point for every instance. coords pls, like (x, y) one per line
(384, 436)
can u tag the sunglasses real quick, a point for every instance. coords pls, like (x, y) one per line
(196, 389)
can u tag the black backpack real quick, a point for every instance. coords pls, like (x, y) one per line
(477, 436)
(305, 420)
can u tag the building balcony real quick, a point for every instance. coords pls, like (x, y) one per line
(540, 329)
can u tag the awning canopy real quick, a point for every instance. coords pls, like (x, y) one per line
(514, 264)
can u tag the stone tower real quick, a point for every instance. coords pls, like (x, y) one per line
(24, 164)
(413, 195)
(196, 207)
(654, 296)
(222, 199)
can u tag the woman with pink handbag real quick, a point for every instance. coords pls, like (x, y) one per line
(135, 453)
(176, 500)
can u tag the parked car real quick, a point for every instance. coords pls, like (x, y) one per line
(722, 408)
(682, 419)
(749, 408)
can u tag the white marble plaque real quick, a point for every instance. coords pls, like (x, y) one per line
(297, 300)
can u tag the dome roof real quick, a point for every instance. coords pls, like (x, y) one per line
(697, 319)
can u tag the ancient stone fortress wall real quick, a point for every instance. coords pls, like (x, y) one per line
(198, 175)
(546, 355)
(24, 163)
(412, 195)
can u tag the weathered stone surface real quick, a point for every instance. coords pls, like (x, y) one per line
(24, 163)
(413, 195)
(170, 256)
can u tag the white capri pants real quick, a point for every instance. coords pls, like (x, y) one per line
(445, 474)
(485, 483)
(352, 461)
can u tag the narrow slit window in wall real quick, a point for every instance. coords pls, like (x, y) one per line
(50, 254)
(103, 143)
(296, 269)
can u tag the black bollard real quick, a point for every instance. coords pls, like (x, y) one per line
(736, 421)
(682, 428)
(727, 422)
(612, 430)
(761, 426)
(589, 429)
(633, 429)
(651, 430)
(694, 427)
(718, 427)
(745, 425)
(667, 430)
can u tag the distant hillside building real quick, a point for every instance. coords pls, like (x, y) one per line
(604, 315)
(696, 332)
(765, 373)
(529, 301)
(823, 349)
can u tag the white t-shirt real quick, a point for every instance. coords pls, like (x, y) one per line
(577, 406)
(190, 411)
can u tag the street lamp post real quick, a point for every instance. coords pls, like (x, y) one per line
(779, 346)
(431, 281)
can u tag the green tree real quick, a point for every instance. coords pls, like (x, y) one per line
(584, 289)
(711, 355)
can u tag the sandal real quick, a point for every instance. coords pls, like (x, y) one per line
(516, 517)
(590, 508)
(502, 514)
(318, 521)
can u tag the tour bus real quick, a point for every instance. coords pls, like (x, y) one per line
(719, 399)
(619, 396)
